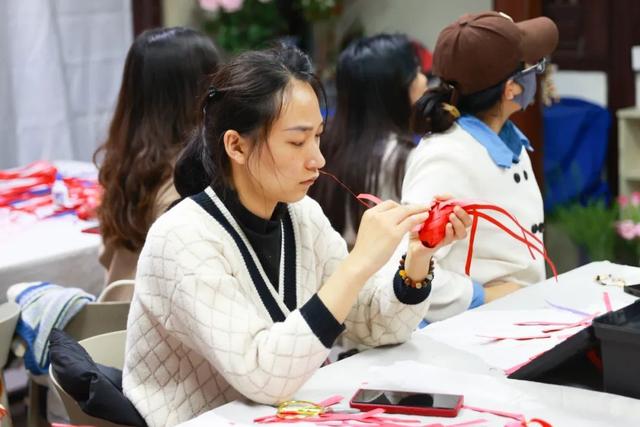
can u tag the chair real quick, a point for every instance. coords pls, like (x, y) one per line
(98, 318)
(120, 290)
(9, 313)
(106, 349)
(95, 318)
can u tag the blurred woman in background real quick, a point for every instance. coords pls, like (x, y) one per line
(165, 72)
(368, 141)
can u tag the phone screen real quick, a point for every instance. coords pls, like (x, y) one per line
(409, 399)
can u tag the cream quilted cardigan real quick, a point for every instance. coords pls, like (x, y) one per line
(200, 334)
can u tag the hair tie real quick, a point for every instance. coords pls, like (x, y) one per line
(455, 93)
(212, 92)
(451, 109)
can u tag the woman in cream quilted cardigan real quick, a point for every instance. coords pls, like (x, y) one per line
(243, 287)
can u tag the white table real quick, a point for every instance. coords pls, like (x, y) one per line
(53, 250)
(562, 406)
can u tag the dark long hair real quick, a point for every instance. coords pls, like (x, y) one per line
(245, 95)
(164, 73)
(373, 77)
(429, 114)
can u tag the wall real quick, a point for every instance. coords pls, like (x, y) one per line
(179, 13)
(60, 71)
(421, 19)
(588, 85)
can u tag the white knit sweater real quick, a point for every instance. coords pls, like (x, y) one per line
(199, 334)
(455, 163)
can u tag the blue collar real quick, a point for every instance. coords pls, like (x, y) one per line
(504, 147)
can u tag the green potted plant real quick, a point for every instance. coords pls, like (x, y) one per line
(238, 25)
(590, 226)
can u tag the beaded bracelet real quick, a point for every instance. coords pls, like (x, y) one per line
(409, 281)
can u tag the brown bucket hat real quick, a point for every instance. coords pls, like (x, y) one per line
(480, 50)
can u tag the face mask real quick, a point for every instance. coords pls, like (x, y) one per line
(528, 83)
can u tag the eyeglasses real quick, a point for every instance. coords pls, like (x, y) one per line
(537, 68)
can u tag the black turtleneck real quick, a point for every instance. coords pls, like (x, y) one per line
(264, 235)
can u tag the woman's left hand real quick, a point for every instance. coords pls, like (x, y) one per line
(418, 255)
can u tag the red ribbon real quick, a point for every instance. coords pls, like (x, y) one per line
(39, 169)
(28, 189)
(433, 229)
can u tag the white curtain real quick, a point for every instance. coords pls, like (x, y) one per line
(60, 70)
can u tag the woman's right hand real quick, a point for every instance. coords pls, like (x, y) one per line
(381, 230)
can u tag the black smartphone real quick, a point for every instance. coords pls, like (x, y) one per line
(407, 402)
(633, 289)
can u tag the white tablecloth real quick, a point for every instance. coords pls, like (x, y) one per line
(54, 250)
(425, 363)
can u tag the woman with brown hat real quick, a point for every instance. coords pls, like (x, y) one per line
(487, 65)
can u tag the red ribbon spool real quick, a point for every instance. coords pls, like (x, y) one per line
(433, 229)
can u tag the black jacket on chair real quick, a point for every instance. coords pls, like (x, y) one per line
(96, 388)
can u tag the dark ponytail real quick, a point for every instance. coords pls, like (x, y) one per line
(190, 175)
(429, 114)
(432, 115)
(245, 95)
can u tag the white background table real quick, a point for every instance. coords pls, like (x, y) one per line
(562, 406)
(53, 250)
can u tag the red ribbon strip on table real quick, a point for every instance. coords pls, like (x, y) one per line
(607, 301)
(28, 189)
(373, 417)
(520, 420)
(592, 355)
(39, 169)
